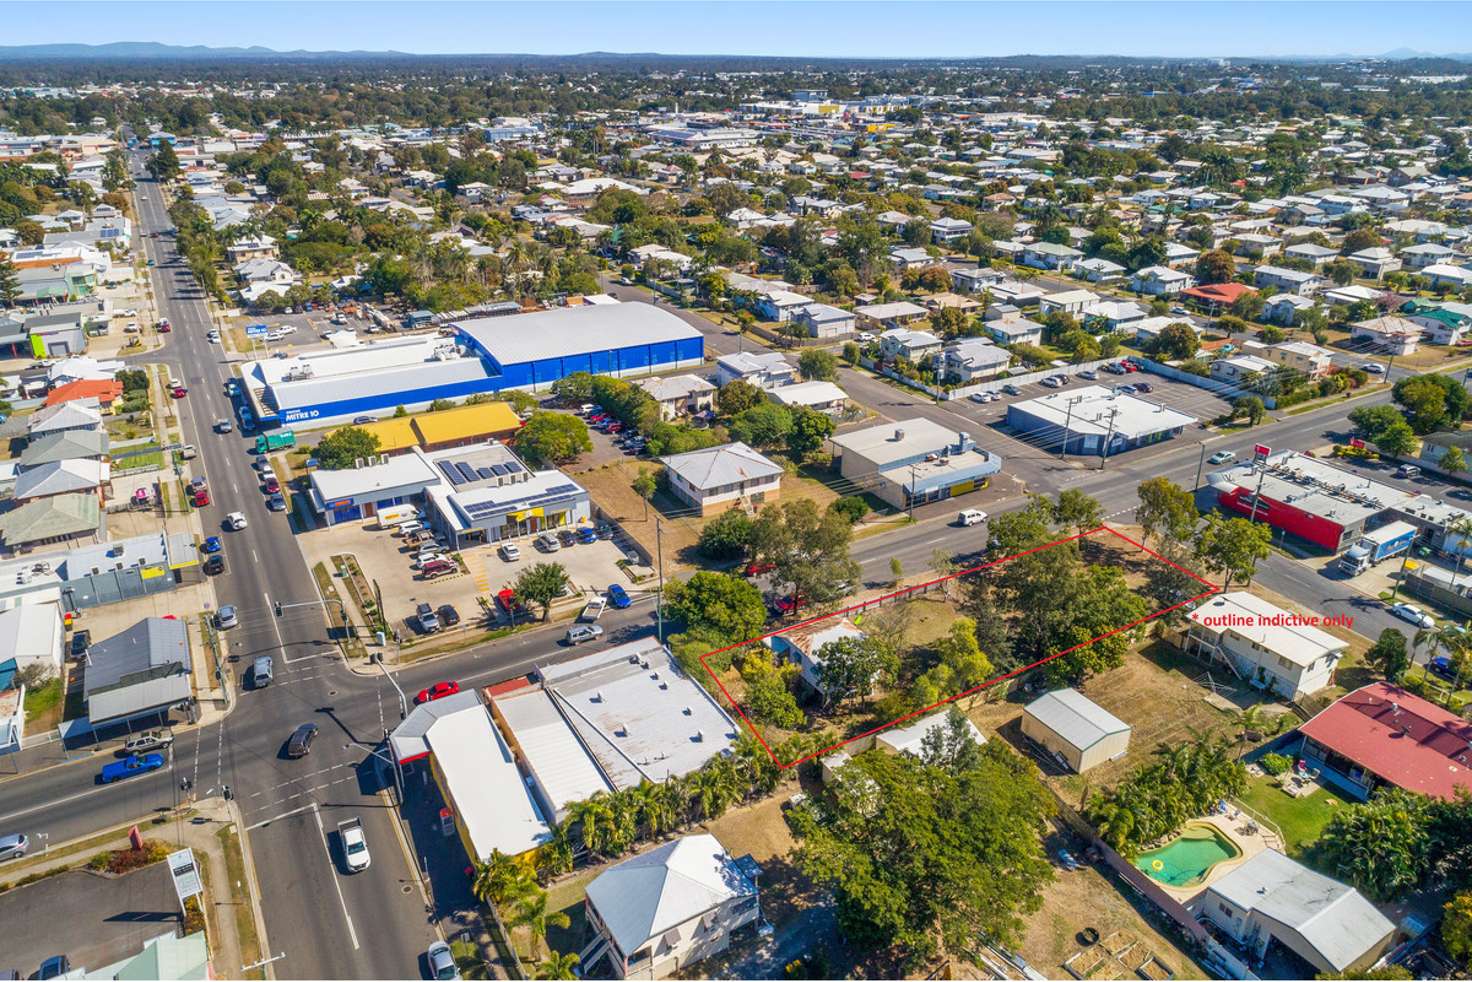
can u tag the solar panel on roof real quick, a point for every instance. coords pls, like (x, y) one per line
(500, 470)
(512, 467)
(449, 472)
(484, 473)
(466, 471)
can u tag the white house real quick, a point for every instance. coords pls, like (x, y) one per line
(947, 230)
(679, 395)
(1392, 335)
(826, 321)
(1271, 648)
(1014, 330)
(883, 316)
(671, 907)
(764, 369)
(1159, 281)
(1067, 301)
(1239, 368)
(1301, 356)
(973, 360)
(1445, 274)
(1273, 898)
(780, 305)
(1289, 280)
(719, 478)
(903, 343)
(825, 397)
(803, 647)
(1375, 262)
(32, 635)
(1048, 255)
(1098, 270)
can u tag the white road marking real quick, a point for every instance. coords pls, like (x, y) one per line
(277, 818)
(76, 797)
(352, 932)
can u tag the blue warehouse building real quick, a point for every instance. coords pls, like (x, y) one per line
(483, 355)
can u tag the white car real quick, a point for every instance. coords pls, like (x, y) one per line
(1373, 368)
(427, 556)
(354, 845)
(1413, 614)
(213, 337)
(236, 521)
(509, 552)
(1221, 457)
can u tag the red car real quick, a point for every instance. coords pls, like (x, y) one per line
(757, 569)
(437, 691)
(616, 428)
(273, 486)
(179, 392)
(201, 497)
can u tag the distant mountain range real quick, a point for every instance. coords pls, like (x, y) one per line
(155, 51)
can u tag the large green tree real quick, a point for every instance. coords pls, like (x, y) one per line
(553, 438)
(342, 448)
(1233, 547)
(718, 602)
(926, 859)
(1384, 846)
(808, 548)
(541, 584)
(1432, 402)
(1167, 511)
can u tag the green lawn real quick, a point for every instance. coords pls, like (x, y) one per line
(44, 701)
(1300, 819)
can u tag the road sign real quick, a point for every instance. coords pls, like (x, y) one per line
(185, 874)
(1261, 452)
(256, 331)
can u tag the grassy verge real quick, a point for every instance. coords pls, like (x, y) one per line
(337, 626)
(92, 847)
(43, 704)
(245, 922)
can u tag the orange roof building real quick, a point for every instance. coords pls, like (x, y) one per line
(105, 391)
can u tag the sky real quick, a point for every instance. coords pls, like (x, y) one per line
(815, 29)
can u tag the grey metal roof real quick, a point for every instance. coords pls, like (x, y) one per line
(155, 647)
(719, 466)
(574, 330)
(1071, 715)
(66, 445)
(51, 518)
(1340, 924)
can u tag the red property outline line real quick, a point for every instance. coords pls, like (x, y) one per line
(1211, 588)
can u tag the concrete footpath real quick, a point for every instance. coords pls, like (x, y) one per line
(211, 828)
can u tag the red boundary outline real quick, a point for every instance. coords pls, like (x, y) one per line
(1211, 588)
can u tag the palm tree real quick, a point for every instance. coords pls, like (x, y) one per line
(713, 788)
(659, 810)
(500, 879)
(1462, 528)
(623, 807)
(594, 822)
(557, 966)
(555, 856)
(532, 912)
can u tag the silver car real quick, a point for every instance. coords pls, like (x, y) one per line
(441, 962)
(13, 846)
(579, 633)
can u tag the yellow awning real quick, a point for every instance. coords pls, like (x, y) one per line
(517, 516)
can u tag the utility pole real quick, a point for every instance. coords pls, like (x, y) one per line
(1200, 463)
(1262, 473)
(910, 502)
(1067, 426)
(1109, 438)
(659, 563)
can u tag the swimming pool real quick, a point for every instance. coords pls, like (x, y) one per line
(1186, 860)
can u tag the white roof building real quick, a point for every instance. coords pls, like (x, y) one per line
(908, 739)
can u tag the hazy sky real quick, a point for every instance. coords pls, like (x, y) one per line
(884, 29)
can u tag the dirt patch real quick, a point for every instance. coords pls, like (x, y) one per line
(1087, 898)
(611, 489)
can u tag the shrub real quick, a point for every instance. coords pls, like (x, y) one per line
(1274, 764)
(851, 507)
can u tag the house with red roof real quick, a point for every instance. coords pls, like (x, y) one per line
(1217, 295)
(1382, 735)
(104, 390)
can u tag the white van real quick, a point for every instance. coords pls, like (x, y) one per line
(971, 516)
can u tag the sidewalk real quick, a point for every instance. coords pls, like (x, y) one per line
(210, 827)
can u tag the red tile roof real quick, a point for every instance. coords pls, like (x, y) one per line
(1219, 292)
(103, 390)
(1404, 739)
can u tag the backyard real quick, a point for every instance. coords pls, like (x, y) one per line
(1301, 820)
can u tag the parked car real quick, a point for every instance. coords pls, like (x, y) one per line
(299, 744)
(756, 568)
(81, 641)
(1412, 614)
(425, 620)
(1012, 390)
(587, 535)
(437, 691)
(1088, 373)
(199, 497)
(148, 740)
(617, 597)
(1127, 390)
(1221, 457)
(226, 617)
(593, 609)
(361, 420)
(277, 502)
(131, 767)
(212, 544)
(1052, 382)
(509, 552)
(441, 962)
(567, 537)
(436, 568)
(1144, 387)
(272, 486)
(605, 531)
(579, 633)
(1443, 667)
(548, 542)
(214, 565)
(13, 846)
(448, 615)
(178, 392)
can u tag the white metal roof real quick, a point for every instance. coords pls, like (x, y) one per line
(489, 795)
(642, 898)
(574, 330)
(1266, 625)
(717, 467)
(550, 748)
(907, 739)
(1075, 718)
(1092, 405)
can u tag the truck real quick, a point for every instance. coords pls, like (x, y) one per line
(267, 442)
(354, 845)
(1383, 543)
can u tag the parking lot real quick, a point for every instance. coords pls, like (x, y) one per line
(387, 562)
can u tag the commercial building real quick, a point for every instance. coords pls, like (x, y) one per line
(1078, 732)
(455, 427)
(1095, 420)
(473, 495)
(608, 721)
(1276, 650)
(482, 355)
(31, 634)
(913, 461)
(1305, 497)
(720, 478)
(139, 672)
